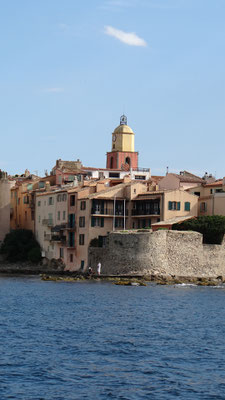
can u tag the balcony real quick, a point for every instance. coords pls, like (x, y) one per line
(48, 222)
(141, 169)
(70, 225)
(58, 228)
(109, 212)
(137, 213)
(59, 238)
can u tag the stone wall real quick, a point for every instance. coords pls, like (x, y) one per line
(161, 252)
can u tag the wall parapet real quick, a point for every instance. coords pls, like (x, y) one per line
(167, 252)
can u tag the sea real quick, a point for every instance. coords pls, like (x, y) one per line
(96, 340)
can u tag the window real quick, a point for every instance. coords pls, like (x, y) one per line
(81, 240)
(111, 161)
(82, 222)
(39, 203)
(83, 205)
(25, 215)
(197, 193)
(114, 175)
(39, 218)
(72, 200)
(58, 217)
(64, 197)
(140, 177)
(71, 239)
(203, 207)
(50, 201)
(127, 160)
(71, 220)
(50, 219)
(187, 206)
(71, 258)
(26, 200)
(59, 197)
(61, 252)
(64, 215)
(119, 223)
(41, 185)
(97, 221)
(174, 205)
(82, 264)
(134, 190)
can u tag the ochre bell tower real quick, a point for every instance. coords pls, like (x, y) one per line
(122, 155)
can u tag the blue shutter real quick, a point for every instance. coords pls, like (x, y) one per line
(102, 222)
(178, 205)
(169, 205)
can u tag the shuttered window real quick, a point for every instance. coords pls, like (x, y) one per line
(187, 206)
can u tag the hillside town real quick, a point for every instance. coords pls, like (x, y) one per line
(77, 206)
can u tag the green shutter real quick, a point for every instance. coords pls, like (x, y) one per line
(187, 206)
(178, 205)
(92, 221)
(102, 222)
(169, 205)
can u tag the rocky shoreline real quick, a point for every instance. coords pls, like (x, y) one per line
(56, 273)
(131, 280)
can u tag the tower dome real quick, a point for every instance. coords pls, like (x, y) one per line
(122, 152)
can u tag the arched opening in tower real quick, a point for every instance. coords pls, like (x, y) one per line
(111, 162)
(127, 160)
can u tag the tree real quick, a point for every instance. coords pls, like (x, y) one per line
(21, 245)
(211, 227)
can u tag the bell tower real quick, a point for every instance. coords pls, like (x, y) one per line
(122, 155)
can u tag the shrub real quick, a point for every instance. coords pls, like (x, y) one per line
(17, 245)
(34, 255)
(211, 227)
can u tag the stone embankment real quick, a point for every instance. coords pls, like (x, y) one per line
(26, 268)
(129, 280)
(162, 253)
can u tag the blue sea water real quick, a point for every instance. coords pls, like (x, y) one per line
(89, 340)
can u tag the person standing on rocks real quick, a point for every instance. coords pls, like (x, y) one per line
(99, 266)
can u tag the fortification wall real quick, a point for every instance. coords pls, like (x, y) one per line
(162, 252)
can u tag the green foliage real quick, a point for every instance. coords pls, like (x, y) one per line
(21, 245)
(34, 255)
(211, 227)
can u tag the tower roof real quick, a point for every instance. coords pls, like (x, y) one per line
(123, 129)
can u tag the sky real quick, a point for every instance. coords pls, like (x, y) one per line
(69, 69)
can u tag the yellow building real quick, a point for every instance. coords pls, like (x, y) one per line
(211, 198)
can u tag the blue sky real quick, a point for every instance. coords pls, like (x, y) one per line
(70, 68)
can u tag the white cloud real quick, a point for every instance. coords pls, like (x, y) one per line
(53, 90)
(129, 38)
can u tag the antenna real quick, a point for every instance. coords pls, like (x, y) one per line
(167, 170)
